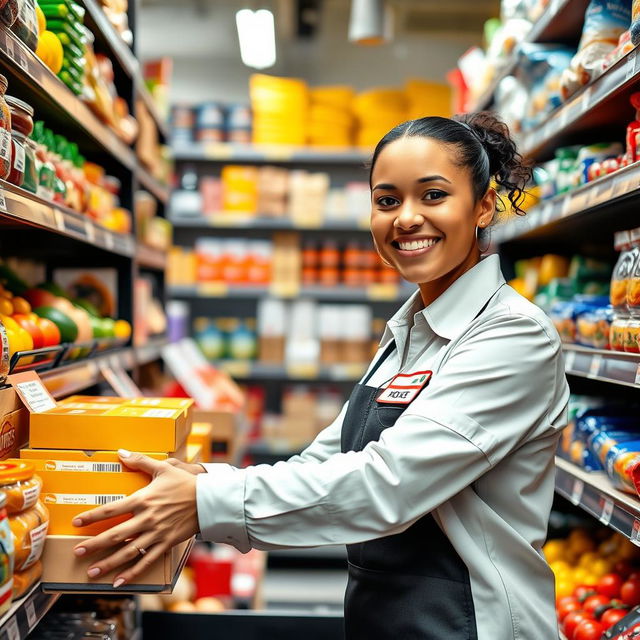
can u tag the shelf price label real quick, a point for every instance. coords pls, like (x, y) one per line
(585, 101)
(637, 379)
(3, 201)
(594, 368)
(13, 632)
(32, 618)
(576, 491)
(547, 213)
(635, 533)
(607, 511)
(303, 370)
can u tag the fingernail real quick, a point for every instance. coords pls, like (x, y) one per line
(92, 573)
(118, 583)
(77, 522)
(80, 551)
(124, 453)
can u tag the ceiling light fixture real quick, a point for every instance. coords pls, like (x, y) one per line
(257, 38)
(371, 22)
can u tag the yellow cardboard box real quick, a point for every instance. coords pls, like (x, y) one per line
(63, 571)
(202, 434)
(137, 428)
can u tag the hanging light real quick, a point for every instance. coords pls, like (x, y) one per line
(257, 38)
(370, 22)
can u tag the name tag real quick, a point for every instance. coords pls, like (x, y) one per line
(404, 388)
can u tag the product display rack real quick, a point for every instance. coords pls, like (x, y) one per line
(25, 614)
(560, 22)
(250, 370)
(59, 237)
(261, 223)
(584, 217)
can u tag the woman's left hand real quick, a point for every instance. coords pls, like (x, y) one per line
(164, 514)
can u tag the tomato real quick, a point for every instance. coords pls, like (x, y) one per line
(588, 630)
(572, 620)
(609, 585)
(593, 602)
(623, 569)
(583, 591)
(34, 330)
(630, 592)
(566, 606)
(50, 332)
(612, 616)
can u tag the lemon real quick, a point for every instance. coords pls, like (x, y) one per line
(122, 329)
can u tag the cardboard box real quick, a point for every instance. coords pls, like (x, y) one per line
(80, 461)
(14, 424)
(202, 434)
(109, 428)
(194, 453)
(227, 433)
(68, 493)
(63, 571)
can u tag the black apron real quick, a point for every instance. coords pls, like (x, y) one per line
(408, 586)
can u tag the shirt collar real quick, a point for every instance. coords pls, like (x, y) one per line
(452, 311)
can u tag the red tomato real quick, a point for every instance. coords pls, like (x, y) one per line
(593, 602)
(588, 630)
(566, 606)
(50, 332)
(32, 328)
(583, 591)
(609, 585)
(612, 616)
(630, 592)
(623, 569)
(572, 620)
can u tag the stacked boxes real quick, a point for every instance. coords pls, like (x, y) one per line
(74, 448)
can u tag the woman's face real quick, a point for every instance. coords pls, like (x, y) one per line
(423, 212)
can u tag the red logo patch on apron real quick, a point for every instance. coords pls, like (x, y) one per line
(404, 388)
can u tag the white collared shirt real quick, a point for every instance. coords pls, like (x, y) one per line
(475, 449)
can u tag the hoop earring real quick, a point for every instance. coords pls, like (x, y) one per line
(482, 251)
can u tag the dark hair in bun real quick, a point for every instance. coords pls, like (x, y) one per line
(484, 146)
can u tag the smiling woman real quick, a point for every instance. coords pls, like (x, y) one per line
(438, 473)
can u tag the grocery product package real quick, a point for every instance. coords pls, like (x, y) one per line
(604, 23)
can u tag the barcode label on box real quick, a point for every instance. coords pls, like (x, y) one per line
(84, 466)
(80, 498)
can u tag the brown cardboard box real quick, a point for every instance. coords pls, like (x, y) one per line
(227, 435)
(63, 571)
(14, 424)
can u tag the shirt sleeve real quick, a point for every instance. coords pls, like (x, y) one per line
(496, 391)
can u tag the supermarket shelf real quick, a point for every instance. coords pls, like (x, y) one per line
(103, 29)
(151, 351)
(258, 223)
(25, 614)
(22, 207)
(591, 107)
(593, 492)
(154, 186)
(217, 290)
(151, 258)
(27, 68)
(599, 364)
(223, 152)
(250, 370)
(73, 378)
(560, 22)
(590, 199)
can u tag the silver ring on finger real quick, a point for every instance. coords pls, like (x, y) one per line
(141, 550)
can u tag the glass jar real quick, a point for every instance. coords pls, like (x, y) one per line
(18, 143)
(21, 116)
(20, 484)
(30, 182)
(29, 530)
(5, 131)
(6, 558)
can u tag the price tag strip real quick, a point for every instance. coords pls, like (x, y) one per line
(630, 67)
(569, 360)
(594, 368)
(32, 618)
(3, 201)
(576, 492)
(607, 511)
(635, 533)
(13, 632)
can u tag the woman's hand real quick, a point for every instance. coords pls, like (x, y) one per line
(164, 514)
(194, 469)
